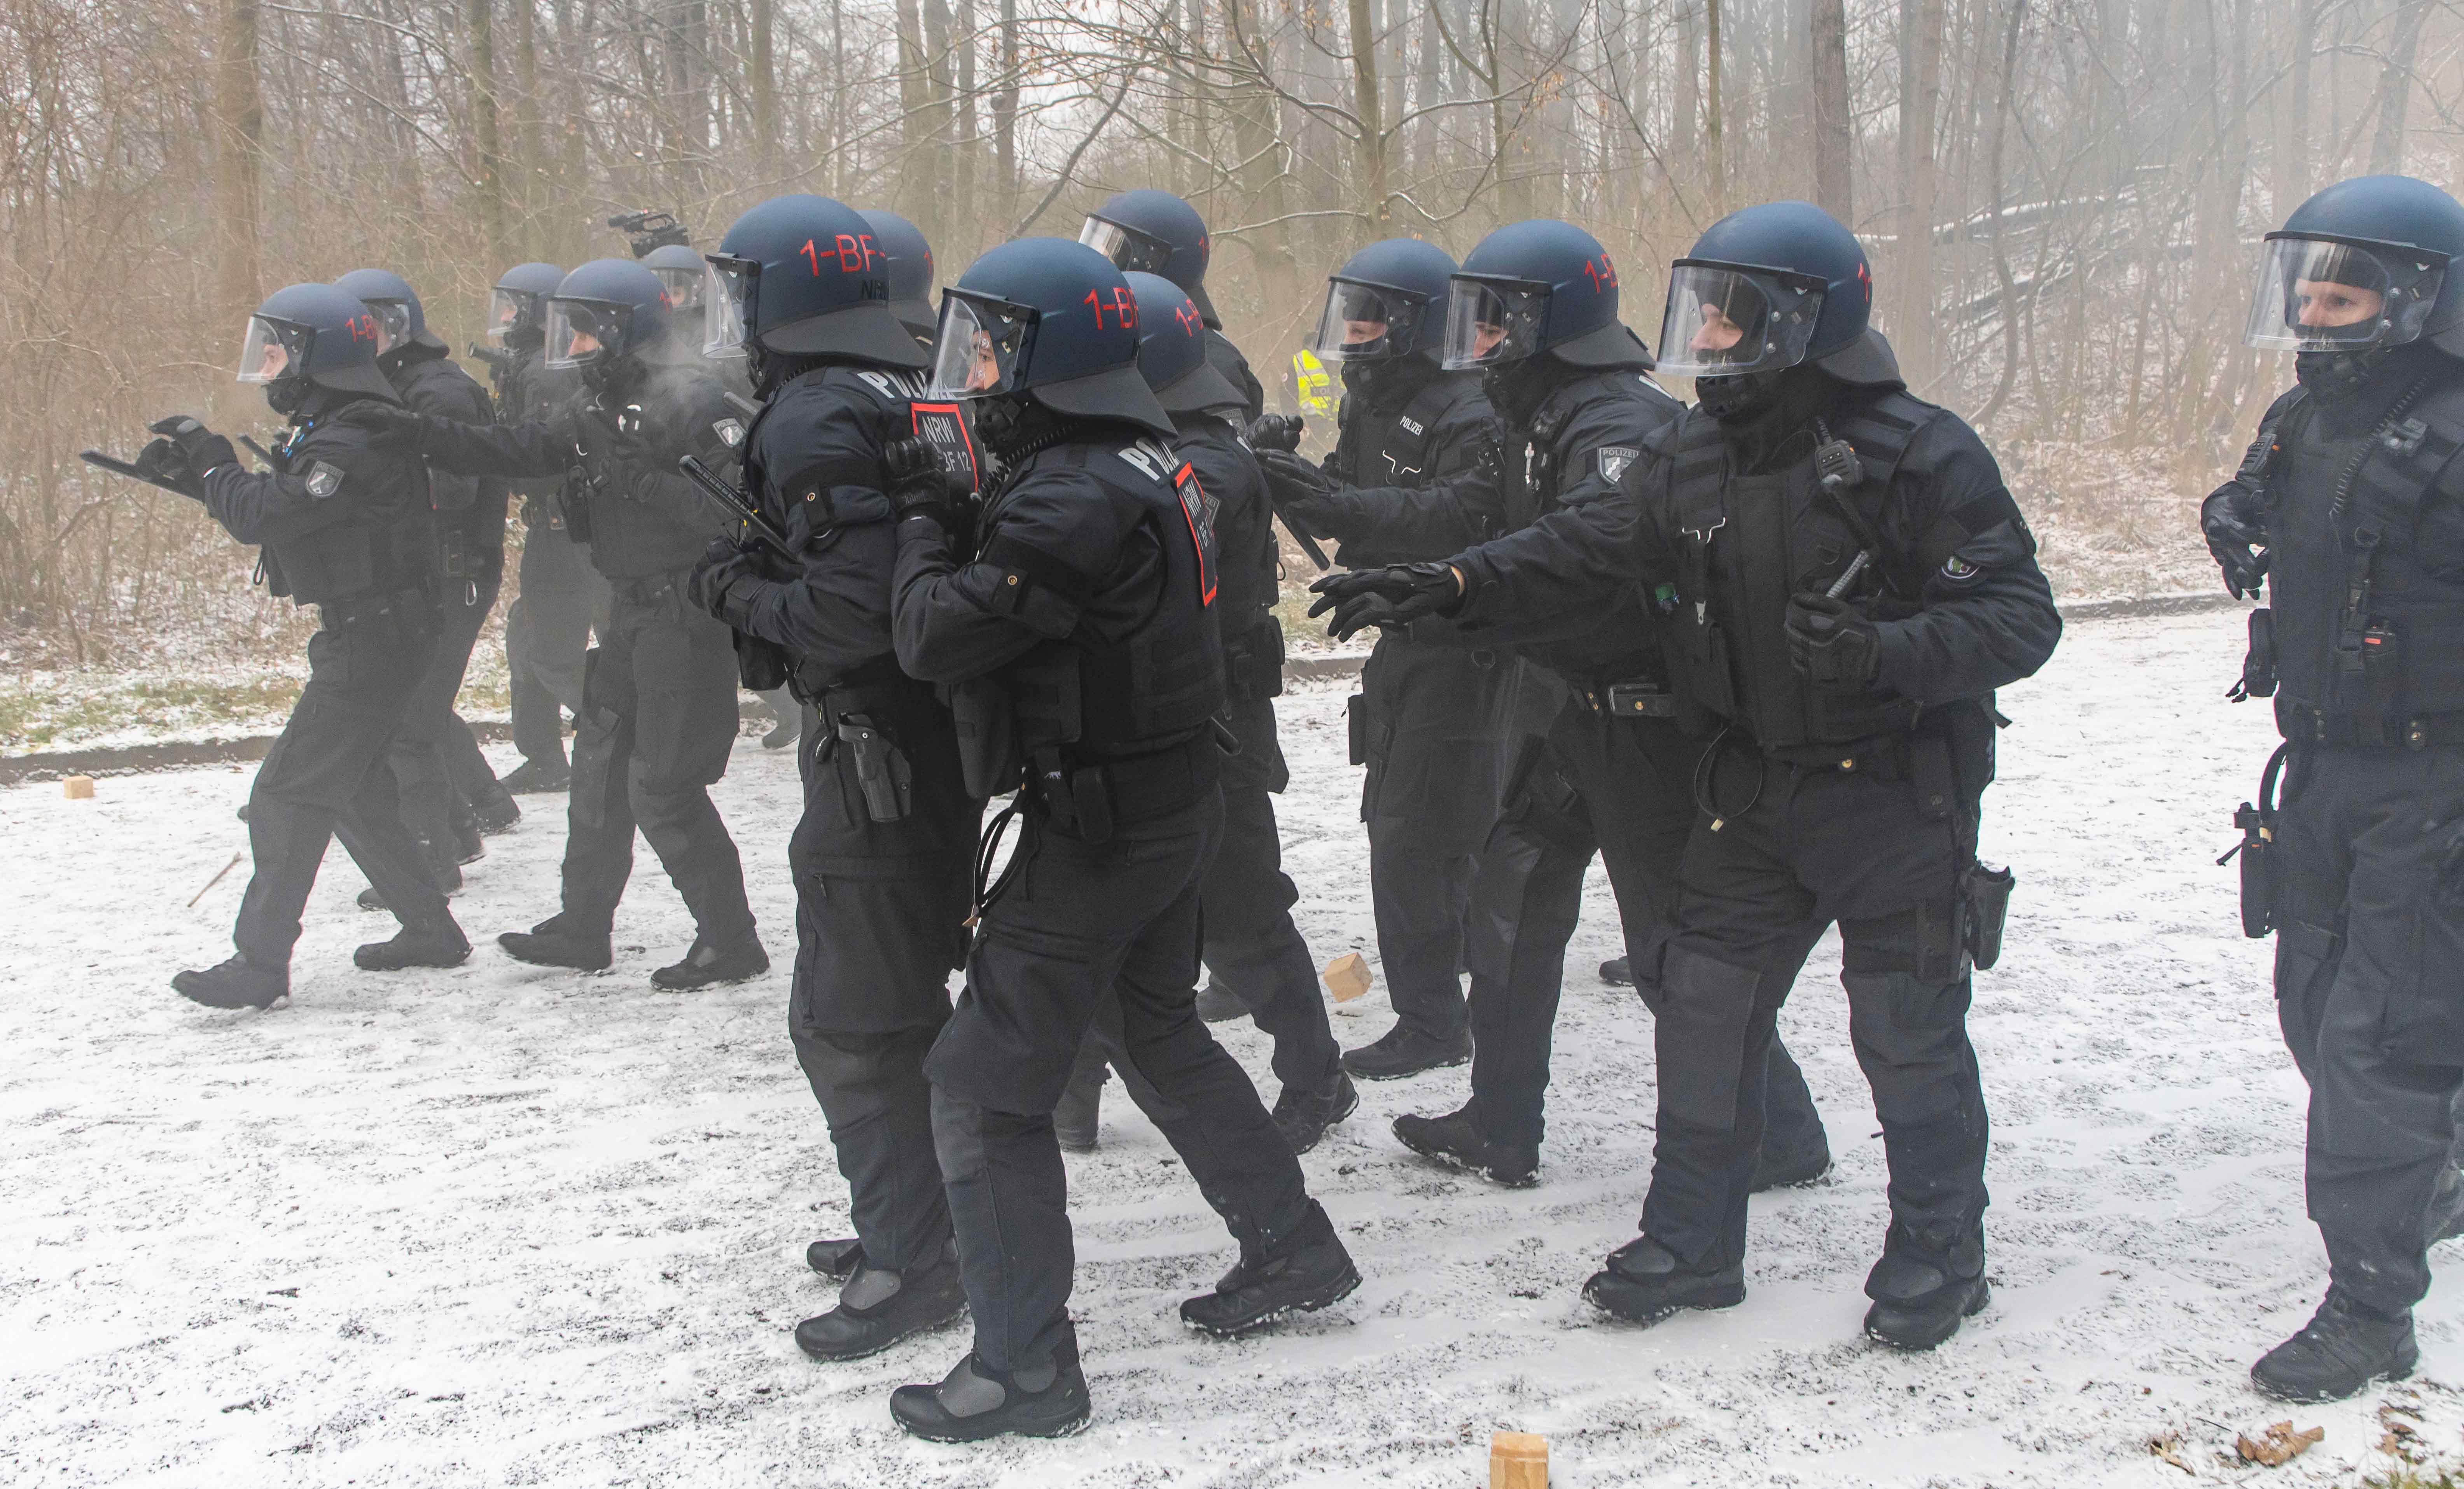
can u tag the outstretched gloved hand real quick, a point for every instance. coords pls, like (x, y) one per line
(1396, 595)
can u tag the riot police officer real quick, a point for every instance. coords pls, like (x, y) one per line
(1412, 478)
(348, 530)
(1535, 307)
(1252, 948)
(1078, 639)
(1157, 232)
(884, 855)
(659, 691)
(2353, 500)
(547, 628)
(449, 793)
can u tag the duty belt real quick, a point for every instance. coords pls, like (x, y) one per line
(1087, 798)
(2303, 724)
(397, 606)
(1636, 700)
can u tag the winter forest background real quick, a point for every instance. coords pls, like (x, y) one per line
(2059, 197)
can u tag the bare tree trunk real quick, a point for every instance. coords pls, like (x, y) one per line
(1921, 23)
(481, 21)
(1833, 188)
(2395, 86)
(240, 118)
(1005, 112)
(1714, 130)
(765, 90)
(534, 189)
(1367, 107)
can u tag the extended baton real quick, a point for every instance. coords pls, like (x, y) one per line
(733, 503)
(97, 459)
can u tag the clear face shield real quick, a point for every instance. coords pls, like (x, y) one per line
(981, 346)
(1490, 321)
(584, 331)
(274, 350)
(683, 287)
(728, 292)
(1722, 320)
(1362, 323)
(1127, 247)
(510, 311)
(2317, 294)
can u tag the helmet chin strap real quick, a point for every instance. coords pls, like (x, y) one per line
(2335, 374)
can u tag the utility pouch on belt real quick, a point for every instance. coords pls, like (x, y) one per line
(575, 507)
(882, 771)
(761, 664)
(2258, 663)
(986, 722)
(2257, 846)
(1356, 716)
(1985, 899)
(1090, 801)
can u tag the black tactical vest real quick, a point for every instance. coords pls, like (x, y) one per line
(1749, 542)
(638, 513)
(1397, 449)
(2370, 645)
(386, 546)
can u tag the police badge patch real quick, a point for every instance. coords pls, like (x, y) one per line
(323, 479)
(730, 432)
(1614, 458)
(1958, 569)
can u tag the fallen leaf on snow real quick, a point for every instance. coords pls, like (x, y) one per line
(2278, 1445)
(2169, 1448)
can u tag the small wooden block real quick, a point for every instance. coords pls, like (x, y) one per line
(78, 787)
(1347, 977)
(1518, 1460)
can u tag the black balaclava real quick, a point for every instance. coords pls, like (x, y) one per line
(2354, 389)
(1761, 423)
(1013, 427)
(1517, 388)
(2338, 374)
(614, 379)
(288, 395)
(1385, 385)
(771, 371)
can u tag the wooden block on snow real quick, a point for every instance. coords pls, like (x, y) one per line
(1518, 1460)
(1347, 977)
(78, 787)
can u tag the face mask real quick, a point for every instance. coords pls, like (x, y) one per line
(285, 395)
(612, 378)
(2334, 375)
(1738, 397)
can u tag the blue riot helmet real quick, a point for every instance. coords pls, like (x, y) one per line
(1389, 300)
(804, 276)
(518, 307)
(1154, 232)
(1172, 349)
(609, 310)
(1535, 287)
(682, 274)
(312, 334)
(912, 274)
(1771, 287)
(400, 321)
(2367, 262)
(1050, 321)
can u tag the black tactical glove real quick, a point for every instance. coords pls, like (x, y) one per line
(1273, 431)
(1396, 595)
(390, 426)
(1832, 645)
(712, 584)
(2234, 522)
(199, 448)
(920, 485)
(161, 462)
(1290, 478)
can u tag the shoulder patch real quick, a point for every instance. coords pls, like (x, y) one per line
(323, 479)
(1613, 459)
(1957, 568)
(730, 432)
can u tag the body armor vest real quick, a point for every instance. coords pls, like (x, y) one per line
(2370, 645)
(640, 517)
(1751, 542)
(386, 546)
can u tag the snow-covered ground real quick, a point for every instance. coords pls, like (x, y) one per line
(506, 1226)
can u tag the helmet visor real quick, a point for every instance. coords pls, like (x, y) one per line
(1362, 323)
(982, 349)
(2317, 294)
(683, 287)
(1722, 319)
(510, 311)
(584, 331)
(1493, 321)
(729, 292)
(393, 322)
(274, 350)
(1126, 247)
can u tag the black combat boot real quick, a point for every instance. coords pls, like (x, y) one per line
(1617, 972)
(1402, 1051)
(1077, 1122)
(235, 984)
(709, 964)
(877, 1308)
(496, 811)
(1645, 1282)
(1456, 1139)
(438, 944)
(974, 1402)
(838, 1257)
(1302, 1117)
(556, 943)
(1304, 1272)
(1775, 1170)
(2342, 1349)
(1218, 1004)
(1919, 1297)
(538, 775)
(466, 845)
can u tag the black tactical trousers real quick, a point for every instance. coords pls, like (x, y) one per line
(1432, 721)
(881, 912)
(1820, 845)
(547, 630)
(436, 760)
(1083, 923)
(2369, 937)
(1622, 789)
(326, 777)
(658, 722)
